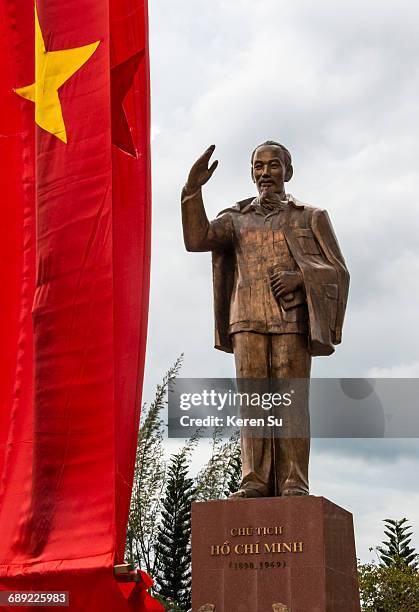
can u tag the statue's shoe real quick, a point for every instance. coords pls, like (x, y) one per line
(245, 493)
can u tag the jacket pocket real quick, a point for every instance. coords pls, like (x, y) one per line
(307, 241)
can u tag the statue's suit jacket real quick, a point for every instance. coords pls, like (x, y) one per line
(314, 247)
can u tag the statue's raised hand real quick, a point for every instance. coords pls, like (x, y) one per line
(200, 173)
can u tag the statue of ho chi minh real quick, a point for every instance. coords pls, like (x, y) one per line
(280, 292)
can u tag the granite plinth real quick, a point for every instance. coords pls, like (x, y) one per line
(290, 554)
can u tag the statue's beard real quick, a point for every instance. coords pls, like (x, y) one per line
(271, 200)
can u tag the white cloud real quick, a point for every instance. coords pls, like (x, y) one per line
(404, 370)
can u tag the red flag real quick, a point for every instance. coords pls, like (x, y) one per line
(75, 269)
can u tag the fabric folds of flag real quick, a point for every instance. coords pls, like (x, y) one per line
(74, 260)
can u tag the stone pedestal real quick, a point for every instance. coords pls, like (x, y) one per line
(294, 554)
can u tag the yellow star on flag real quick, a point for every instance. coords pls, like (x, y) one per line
(52, 69)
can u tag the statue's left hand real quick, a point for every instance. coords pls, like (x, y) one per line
(284, 282)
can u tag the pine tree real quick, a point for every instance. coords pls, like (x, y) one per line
(396, 550)
(149, 481)
(393, 584)
(174, 531)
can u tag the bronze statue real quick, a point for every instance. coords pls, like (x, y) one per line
(280, 292)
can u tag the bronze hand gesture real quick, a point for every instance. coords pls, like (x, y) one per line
(200, 173)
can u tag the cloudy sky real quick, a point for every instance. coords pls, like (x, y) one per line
(338, 84)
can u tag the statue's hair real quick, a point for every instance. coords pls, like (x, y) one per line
(287, 154)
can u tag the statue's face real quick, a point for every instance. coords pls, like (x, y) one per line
(268, 169)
